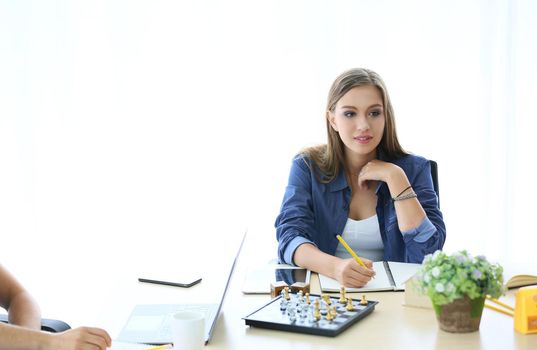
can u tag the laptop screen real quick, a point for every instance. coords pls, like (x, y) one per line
(210, 333)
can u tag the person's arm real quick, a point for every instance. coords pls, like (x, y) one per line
(22, 308)
(295, 223)
(84, 338)
(428, 235)
(419, 219)
(295, 231)
(409, 212)
(346, 271)
(81, 338)
(16, 337)
(24, 328)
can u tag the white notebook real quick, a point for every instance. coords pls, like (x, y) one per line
(390, 276)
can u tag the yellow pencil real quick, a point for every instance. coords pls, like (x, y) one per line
(508, 313)
(162, 347)
(356, 257)
(500, 303)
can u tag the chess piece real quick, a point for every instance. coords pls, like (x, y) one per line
(350, 306)
(300, 296)
(300, 286)
(291, 313)
(311, 318)
(304, 311)
(363, 301)
(329, 316)
(308, 301)
(322, 304)
(276, 288)
(286, 293)
(283, 303)
(316, 314)
(333, 311)
(326, 299)
(317, 310)
(342, 298)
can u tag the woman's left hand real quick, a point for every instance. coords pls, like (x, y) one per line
(377, 170)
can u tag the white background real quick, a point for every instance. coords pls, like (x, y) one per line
(130, 129)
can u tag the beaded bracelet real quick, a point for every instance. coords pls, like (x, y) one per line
(406, 196)
(403, 191)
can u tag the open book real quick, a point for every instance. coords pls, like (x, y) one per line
(521, 281)
(519, 274)
(390, 276)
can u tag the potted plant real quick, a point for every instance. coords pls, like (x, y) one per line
(457, 285)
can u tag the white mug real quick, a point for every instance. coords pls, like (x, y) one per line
(188, 330)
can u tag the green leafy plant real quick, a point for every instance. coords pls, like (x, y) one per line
(445, 278)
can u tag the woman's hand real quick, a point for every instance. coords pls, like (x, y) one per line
(379, 170)
(351, 274)
(81, 339)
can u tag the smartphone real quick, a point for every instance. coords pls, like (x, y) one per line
(291, 276)
(185, 284)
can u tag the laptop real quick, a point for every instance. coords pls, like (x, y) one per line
(151, 324)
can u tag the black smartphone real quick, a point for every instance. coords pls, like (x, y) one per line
(291, 276)
(168, 283)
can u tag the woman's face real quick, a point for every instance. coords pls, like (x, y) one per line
(359, 119)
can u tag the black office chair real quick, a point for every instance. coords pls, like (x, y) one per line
(434, 175)
(47, 325)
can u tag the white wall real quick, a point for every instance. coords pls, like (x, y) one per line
(136, 126)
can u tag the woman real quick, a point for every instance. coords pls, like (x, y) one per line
(362, 185)
(24, 328)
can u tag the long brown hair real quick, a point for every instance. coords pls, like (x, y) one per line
(329, 158)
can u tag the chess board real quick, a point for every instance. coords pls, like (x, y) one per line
(283, 315)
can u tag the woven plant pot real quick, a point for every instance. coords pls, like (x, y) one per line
(461, 316)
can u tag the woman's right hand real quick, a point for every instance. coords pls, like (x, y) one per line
(81, 339)
(353, 275)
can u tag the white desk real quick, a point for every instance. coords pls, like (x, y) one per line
(390, 326)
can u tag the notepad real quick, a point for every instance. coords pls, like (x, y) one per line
(390, 276)
(519, 275)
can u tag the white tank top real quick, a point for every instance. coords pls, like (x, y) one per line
(363, 236)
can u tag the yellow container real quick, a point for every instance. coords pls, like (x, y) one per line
(526, 310)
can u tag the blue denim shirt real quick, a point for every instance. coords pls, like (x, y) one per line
(314, 212)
